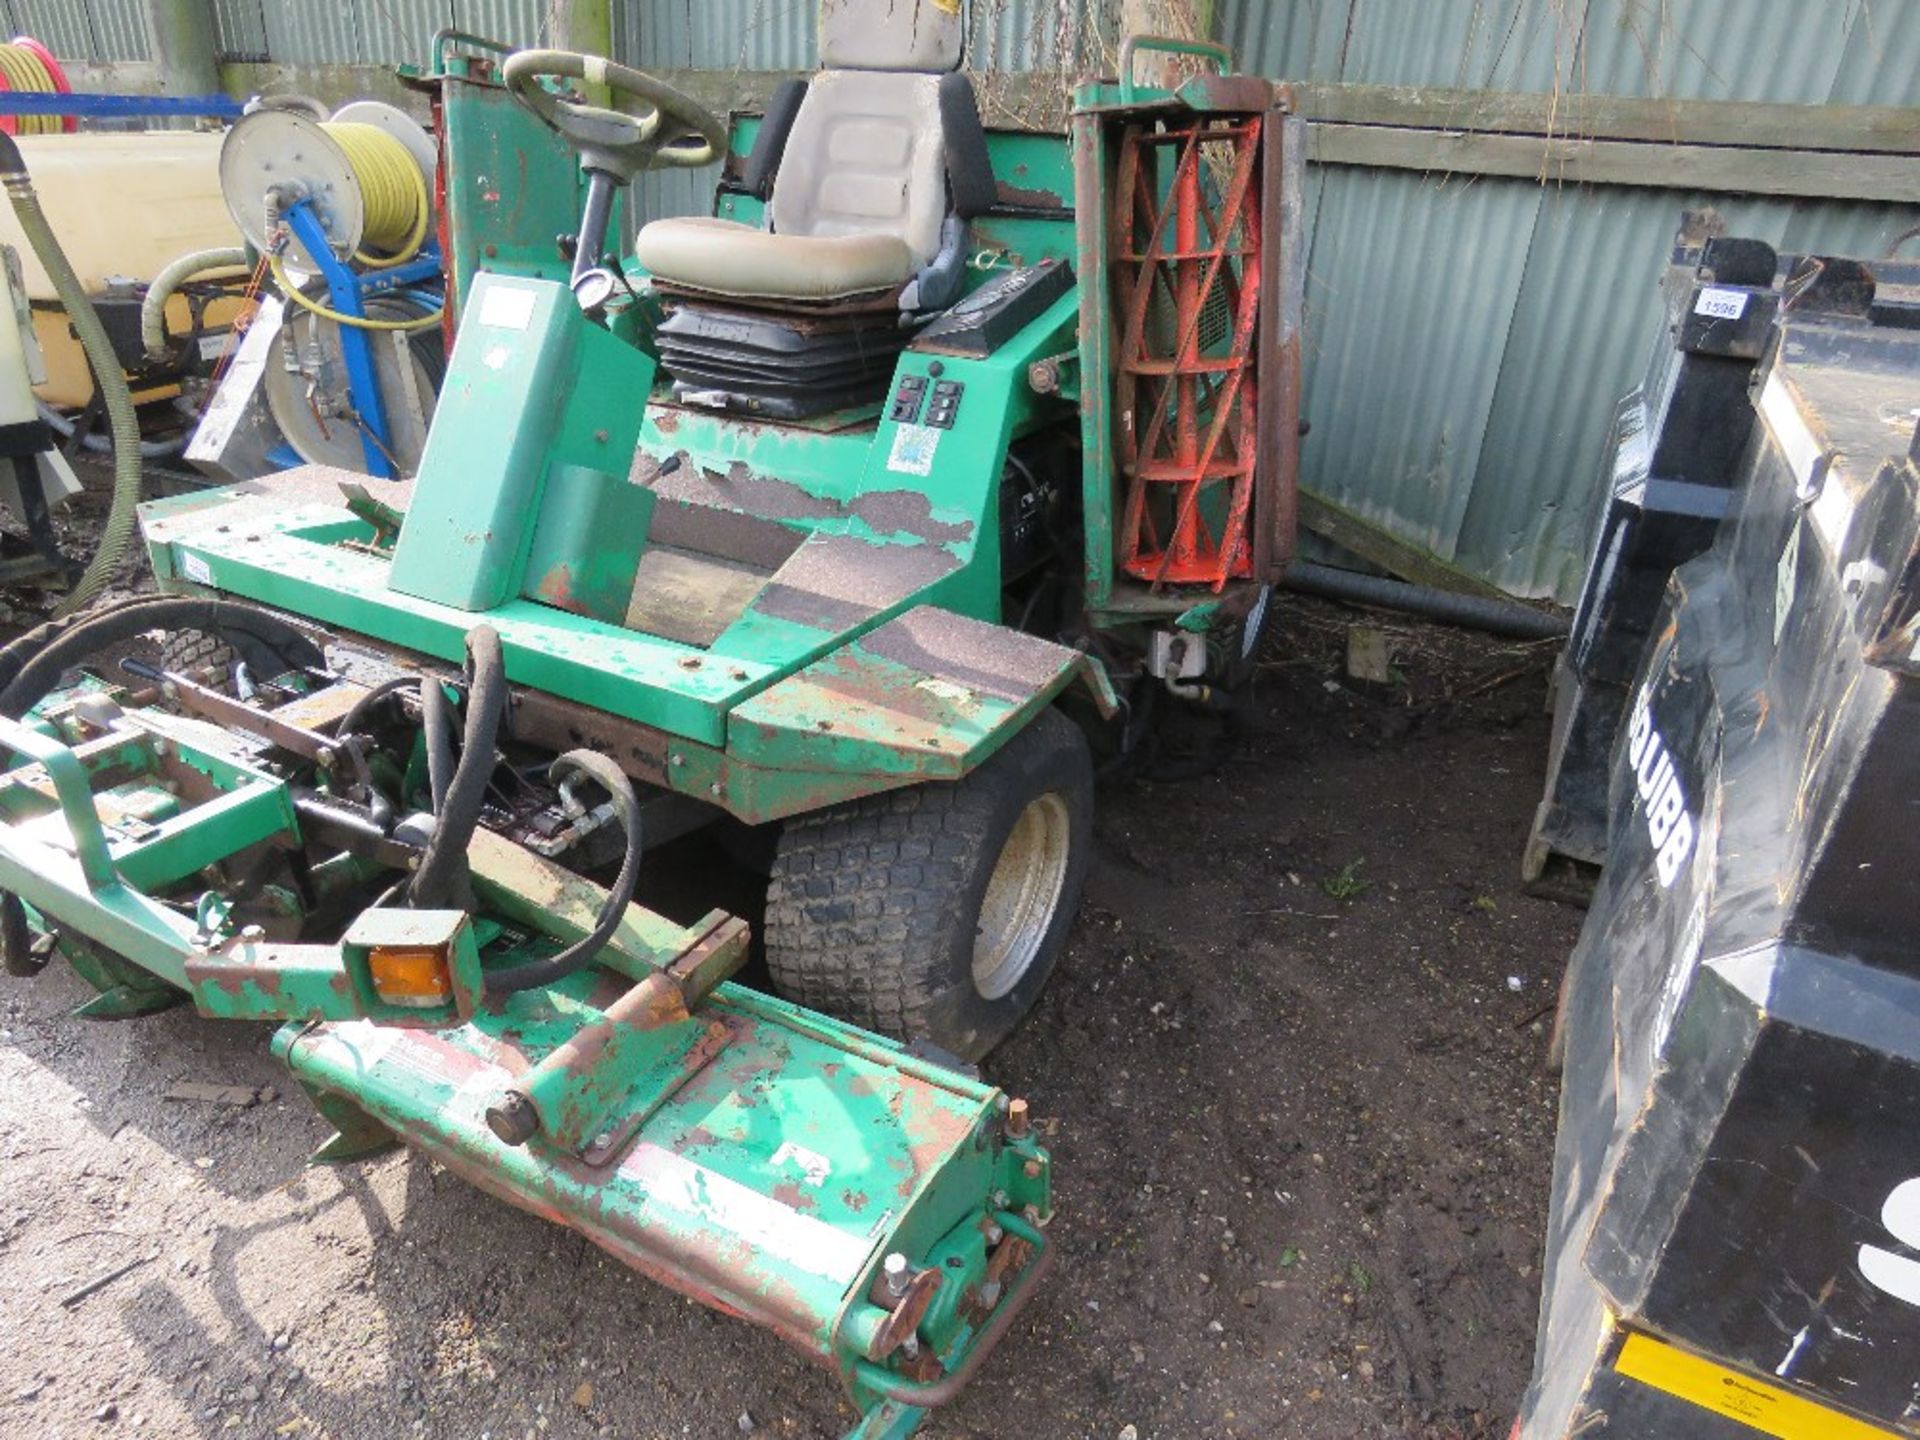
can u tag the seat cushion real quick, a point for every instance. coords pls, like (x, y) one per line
(728, 258)
(867, 154)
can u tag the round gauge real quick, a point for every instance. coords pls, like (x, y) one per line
(594, 289)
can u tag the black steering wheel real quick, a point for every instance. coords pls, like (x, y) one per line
(663, 128)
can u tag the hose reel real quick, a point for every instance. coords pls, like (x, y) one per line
(28, 67)
(342, 209)
(367, 174)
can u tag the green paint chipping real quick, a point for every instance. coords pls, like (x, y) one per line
(774, 1178)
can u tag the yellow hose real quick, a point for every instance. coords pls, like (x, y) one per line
(394, 194)
(393, 190)
(360, 322)
(26, 72)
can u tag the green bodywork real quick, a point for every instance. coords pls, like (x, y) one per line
(767, 617)
(755, 1155)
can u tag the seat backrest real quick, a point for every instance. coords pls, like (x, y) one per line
(867, 152)
(866, 155)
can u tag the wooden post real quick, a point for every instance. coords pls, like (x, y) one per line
(180, 33)
(582, 25)
(1178, 19)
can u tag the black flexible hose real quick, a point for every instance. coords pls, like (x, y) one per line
(360, 708)
(33, 664)
(441, 880)
(436, 722)
(626, 804)
(1500, 617)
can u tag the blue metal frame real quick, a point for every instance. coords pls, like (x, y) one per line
(118, 107)
(348, 291)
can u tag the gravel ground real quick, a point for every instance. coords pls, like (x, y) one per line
(1290, 1067)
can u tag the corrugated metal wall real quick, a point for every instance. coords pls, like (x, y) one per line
(1468, 334)
(379, 32)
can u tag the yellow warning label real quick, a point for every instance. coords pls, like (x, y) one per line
(1766, 1407)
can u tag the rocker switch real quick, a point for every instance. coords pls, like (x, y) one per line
(946, 404)
(906, 400)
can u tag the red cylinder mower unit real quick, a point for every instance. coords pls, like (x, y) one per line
(1186, 269)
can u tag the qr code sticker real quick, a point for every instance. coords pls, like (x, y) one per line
(913, 447)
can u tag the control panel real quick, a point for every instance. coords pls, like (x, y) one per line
(942, 403)
(1000, 309)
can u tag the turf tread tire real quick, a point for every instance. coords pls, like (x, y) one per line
(872, 906)
(199, 655)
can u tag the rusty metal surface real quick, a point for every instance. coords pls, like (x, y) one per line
(739, 487)
(835, 582)
(991, 659)
(698, 1199)
(925, 696)
(1190, 448)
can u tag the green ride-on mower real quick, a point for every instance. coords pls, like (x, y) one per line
(848, 514)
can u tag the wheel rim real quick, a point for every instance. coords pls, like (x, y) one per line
(1023, 893)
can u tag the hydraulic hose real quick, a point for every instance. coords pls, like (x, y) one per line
(441, 880)
(153, 309)
(362, 707)
(626, 804)
(33, 664)
(17, 953)
(107, 374)
(436, 722)
(398, 211)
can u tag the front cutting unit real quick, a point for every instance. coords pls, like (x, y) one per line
(852, 521)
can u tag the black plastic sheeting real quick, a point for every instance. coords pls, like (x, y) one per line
(1676, 452)
(1738, 1165)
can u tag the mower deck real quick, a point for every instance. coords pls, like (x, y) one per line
(793, 1156)
(759, 1157)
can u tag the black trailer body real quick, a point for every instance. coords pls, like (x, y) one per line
(1676, 449)
(1734, 1240)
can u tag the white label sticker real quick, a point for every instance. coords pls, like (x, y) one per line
(1784, 576)
(196, 569)
(507, 307)
(1721, 304)
(1663, 798)
(913, 447)
(212, 347)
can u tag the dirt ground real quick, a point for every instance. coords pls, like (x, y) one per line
(1290, 1069)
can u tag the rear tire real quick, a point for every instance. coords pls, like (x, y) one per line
(937, 912)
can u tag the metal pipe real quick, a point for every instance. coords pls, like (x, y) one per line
(592, 240)
(1500, 617)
